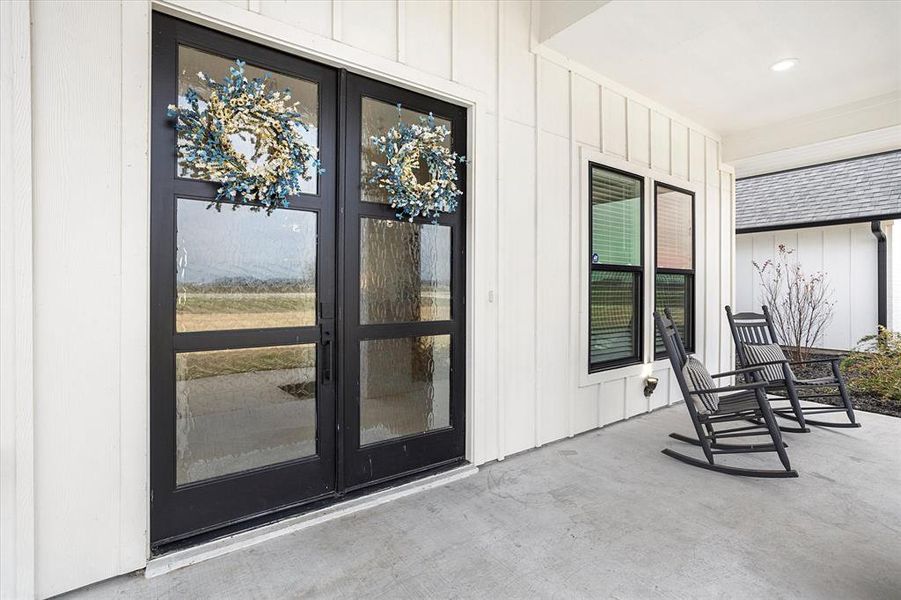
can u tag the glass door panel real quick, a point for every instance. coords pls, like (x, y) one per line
(404, 387)
(243, 402)
(404, 395)
(405, 271)
(238, 269)
(243, 409)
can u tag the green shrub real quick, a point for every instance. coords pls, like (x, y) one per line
(874, 367)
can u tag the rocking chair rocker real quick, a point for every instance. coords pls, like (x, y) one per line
(708, 407)
(756, 345)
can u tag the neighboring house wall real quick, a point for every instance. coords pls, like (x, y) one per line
(846, 253)
(534, 117)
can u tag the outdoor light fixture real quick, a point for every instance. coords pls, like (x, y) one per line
(784, 65)
(650, 384)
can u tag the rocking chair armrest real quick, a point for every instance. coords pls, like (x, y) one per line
(773, 362)
(730, 388)
(742, 371)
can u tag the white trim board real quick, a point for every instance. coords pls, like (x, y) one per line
(245, 539)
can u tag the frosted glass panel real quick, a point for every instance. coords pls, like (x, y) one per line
(615, 218)
(404, 271)
(306, 93)
(404, 387)
(674, 229)
(243, 409)
(237, 269)
(377, 118)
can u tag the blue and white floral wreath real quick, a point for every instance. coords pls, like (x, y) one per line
(209, 128)
(404, 147)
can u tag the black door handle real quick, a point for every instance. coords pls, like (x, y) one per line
(326, 357)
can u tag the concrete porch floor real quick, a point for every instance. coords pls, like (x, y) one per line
(602, 515)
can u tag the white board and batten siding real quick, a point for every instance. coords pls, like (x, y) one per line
(847, 256)
(535, 119)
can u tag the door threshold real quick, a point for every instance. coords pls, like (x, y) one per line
(177, 559)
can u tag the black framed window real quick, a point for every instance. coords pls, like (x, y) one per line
(617, 260)
(674, 278)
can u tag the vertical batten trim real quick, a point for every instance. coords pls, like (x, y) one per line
(501, 409)
(336, 19)
(134, 392)
(17, 318)
(252, 5)
(454, 25)
(572, 383)
(535, 287)
(600, 89)
(400, 45)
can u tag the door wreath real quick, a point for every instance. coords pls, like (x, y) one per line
(405, 147)
(239, 109)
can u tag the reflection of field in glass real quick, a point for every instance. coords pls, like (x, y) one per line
(210, 310)
(244, 408)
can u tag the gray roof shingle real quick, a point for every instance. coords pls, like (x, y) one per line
(862, 188)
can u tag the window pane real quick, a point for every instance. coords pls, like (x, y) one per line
(305, 93)
(612, 316)
(404, 387)
(243, 409)
(674, 292)
(615, 218)
(674, 229)
(238, 269)
(404, 271)
(378, 117)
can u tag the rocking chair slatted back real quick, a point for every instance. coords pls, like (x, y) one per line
(751, 328)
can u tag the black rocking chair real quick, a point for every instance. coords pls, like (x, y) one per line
(750, 330)
(711, 406)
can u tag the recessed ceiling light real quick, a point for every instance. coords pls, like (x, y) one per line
(785, 64)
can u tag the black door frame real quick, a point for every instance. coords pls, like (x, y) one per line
(191, 509)
(246, 499)
(375, 463)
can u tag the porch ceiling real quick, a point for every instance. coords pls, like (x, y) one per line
(711, 60)
(600, 515)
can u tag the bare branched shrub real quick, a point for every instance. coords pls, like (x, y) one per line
(801, 304)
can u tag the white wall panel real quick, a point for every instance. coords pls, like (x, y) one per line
(613, 123)
(553, 100)
(76, 294)
(680, 150)
(587, 111)
(552, 286)
(727, 248)
(427, 27)
(475, 48)
(837, 256)
(484, 313)
(661, 396)
(660, 141)
(612, 401)
(586, 409)
(864, 315)
(713, 317)
(314, 16)
(517, 63)
(516, 286)
(636, 403)
(370, 25)
(639, 133)
(846, 254)
(696, 161)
